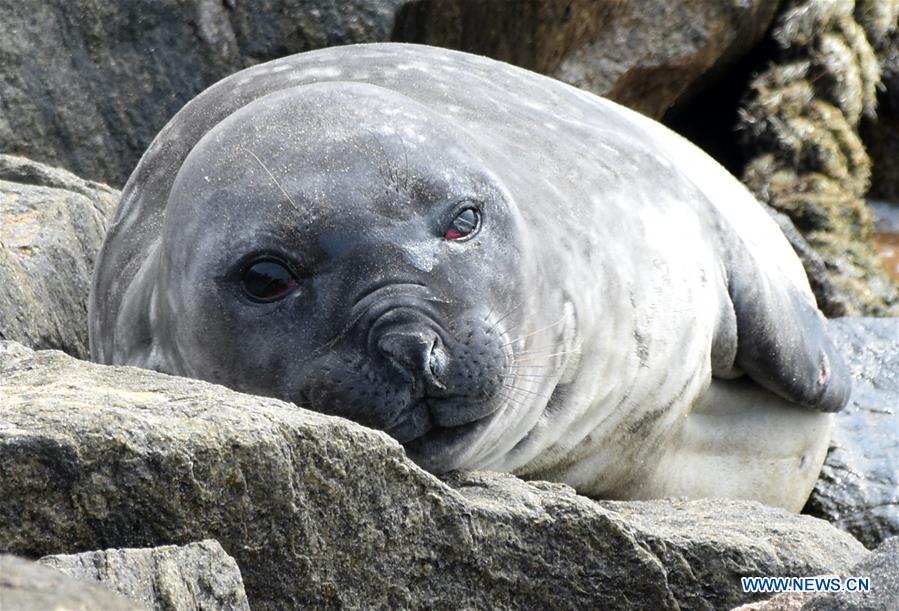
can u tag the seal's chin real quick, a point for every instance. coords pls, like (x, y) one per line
(440, 449)
(435, 433)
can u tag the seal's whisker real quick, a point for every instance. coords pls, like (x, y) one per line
(537, 376)
(487, 316)
(513, 399)
(524, 390)
(328, 345)
(538, 354)
(547, 327)
(504, 316)
(519, 399)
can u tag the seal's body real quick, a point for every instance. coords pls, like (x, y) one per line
(499, 270)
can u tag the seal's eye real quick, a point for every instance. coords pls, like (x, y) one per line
(465, 225)
(267, 280)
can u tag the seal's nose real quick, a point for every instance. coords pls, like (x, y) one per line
(417, 354)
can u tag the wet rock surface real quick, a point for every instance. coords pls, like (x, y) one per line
(51, 226)
(320, 511)
(26, 585)
(196, 576)
(858, 489)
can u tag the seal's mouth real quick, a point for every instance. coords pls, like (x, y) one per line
(437, 449)
(443, 420)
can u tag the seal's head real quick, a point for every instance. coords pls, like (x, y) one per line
(340, 246)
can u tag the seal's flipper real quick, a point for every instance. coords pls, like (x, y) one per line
(782, 342)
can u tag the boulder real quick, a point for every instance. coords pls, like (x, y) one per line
(645, 55)
(51, 226)
(92, 83)
(881, 569)
(858, 490)
(319, 511)
(196, 576)
(26, 585)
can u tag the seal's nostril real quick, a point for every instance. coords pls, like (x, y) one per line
(437, 360)
(433, 365)
(416, 354)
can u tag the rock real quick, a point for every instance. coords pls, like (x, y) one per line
(51, 226)
(800, 132)
(654, 53)
(536, 35)
(645, 55)
(880, 568)
(858, 490)
(92, 83)
(195, 576)
(26, 586)
(319, 511)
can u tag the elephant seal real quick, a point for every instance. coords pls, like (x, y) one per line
(497, 269)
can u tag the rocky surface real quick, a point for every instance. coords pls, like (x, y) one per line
(882, 570)
(87, 85)
(858, 490)
(653, 53)
(28, 586)
(196, 576)
(645, 55)
(320, 511)
(51, 227)
(800, 129)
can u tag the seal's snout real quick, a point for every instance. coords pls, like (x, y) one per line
(418, 354)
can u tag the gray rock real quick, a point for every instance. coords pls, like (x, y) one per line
(51, 226)
(28, 586)
(650, 54)
(645, 55)
(858, 490)
(882, 572)
(319, 511)
(92, 83)
(882, 567)
(196, 576)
